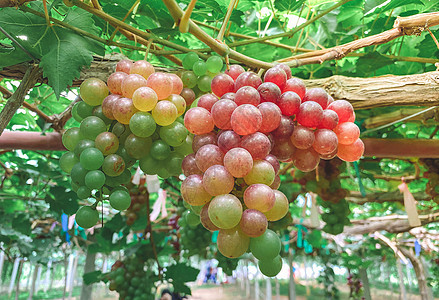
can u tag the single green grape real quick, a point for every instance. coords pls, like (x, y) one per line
(174, 135)
(138, 147)
(204, 83)
(95, 179)
(91, 159)
(82, 145)
(149, 165)
(267, 246)
(200, 68)
(67, 161)
(142, 124)
(83, 192)
(160, 150)
(113, 165)
(120, 200)
(91, 127)
(189, 60)
(214, 64)
(87, 217)
(78, 174)
(71, 138)
(189, 79)
(83, 109)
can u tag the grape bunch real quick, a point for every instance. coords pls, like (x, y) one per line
(194, 239)
(197, 75)
(336, 217)
(432, 187)
(130, 279)
(139, 196)
(135, 116)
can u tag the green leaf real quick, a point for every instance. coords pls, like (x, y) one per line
(66, 200)
(92, 277)
(21, 223)
(181, 273)
(371, 62)
(288, 5)
(156, 10)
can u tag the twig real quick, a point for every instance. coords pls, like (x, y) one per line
(226, 20)
(434, 132)
(434, 38)
(123, 20)
(96, 4)
(17, 99)
(183, 23)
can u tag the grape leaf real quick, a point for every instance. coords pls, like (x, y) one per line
(371, 62)
(92, 277)
(181, 273)
(288, 5)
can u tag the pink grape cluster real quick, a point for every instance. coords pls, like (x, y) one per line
(242, 130)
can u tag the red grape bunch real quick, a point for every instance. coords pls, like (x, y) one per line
(135, 116)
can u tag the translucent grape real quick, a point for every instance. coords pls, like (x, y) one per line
(283, 149)
(83, 192)
(120, 200)
(234, 71)
(189, 79)
(91, 127)
(186, 147)
(329, 119)
(131, 83)
(86, 217)
(207, 101)
(247, 95)
(205, 220)
(246, 119)
(161, 83)
(198, 120)
(270, 267)
(238, 162)
(203, 139)
(107, 143)
(189, 60)
(143, 68)
(145, 98)
(218, 181)
(204, 83)
(179, 103)
(137, 147)
(269, 92)
(247, 78)
(165, 113)
(310, 114)
(347, 133)
(302, 137)
(91, 159)
(81, 146)
(75, 114)
(267, 246)
(285, 128)
(286, 69)
(78, 174)
(257, 144)
(95, 179)
(199, 68)
(124, 66)
(222, 112)
(295, 85)
(276, 182)
(71, 138)
(193, 192)
(277, 76)
(330, 155)
(344, 110)
(113, 165)
(123, 110)
(280, 208)
(352, 152)
(107, 106)
(208, 156)
(173, 163)
(262, 172)
(160, 150)
(97, 112)
(273, 161)
(271, 116)
(229, 96)
(177, 84)
(121, 131)
(214, 64)
(317, 95)
(67, 161)
(114, 82)
(306, 160)
(93, 91)
(232, 243)
(325, 142)
(289, 103)
(222, 84)
(189, 166)
(149, 165)
(174, 135)
(225, 211)
(188, 95)
(84, 110)
(142, 124)
(192, 219)
(228, 140)
(253, 223)
(260, 197)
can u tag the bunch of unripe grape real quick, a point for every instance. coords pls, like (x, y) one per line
(139, 199)
(135, 116)
(227, 264)
(193, 238)
(432, 187)
(130, 279)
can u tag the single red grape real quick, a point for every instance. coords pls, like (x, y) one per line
(302, 137)
(246, 119)
(285, 128)
(344, 110)
(222, 113)
(207, 101)
(221, 84)
(325, 142)
(247, 78)
(310, 114)
(234, 71)
(289, 103)
(295, 85)
(247, 95)
(317, 95)
(351, 152)
(277, 76)
(329, 119)
(306, 160)
(269, 92)
(271, 116)
(257, 144)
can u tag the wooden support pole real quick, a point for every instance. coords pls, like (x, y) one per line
(291, 283)
(34, 281)
(14, 275)
(402, 291)
(365, 280)
(90, 265)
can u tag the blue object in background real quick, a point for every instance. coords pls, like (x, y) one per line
(417, 248)
(65, 226)
(215, 236)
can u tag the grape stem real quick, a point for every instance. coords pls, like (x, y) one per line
(148, 229)
(232, 5)
(184, 21)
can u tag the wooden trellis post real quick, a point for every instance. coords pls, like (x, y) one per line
(14, 275)
(268, 290)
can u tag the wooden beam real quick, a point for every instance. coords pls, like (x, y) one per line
(401, 148)
(31, 140)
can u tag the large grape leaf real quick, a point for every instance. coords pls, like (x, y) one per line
(288, 5)
(369, 63)
(181, 273)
